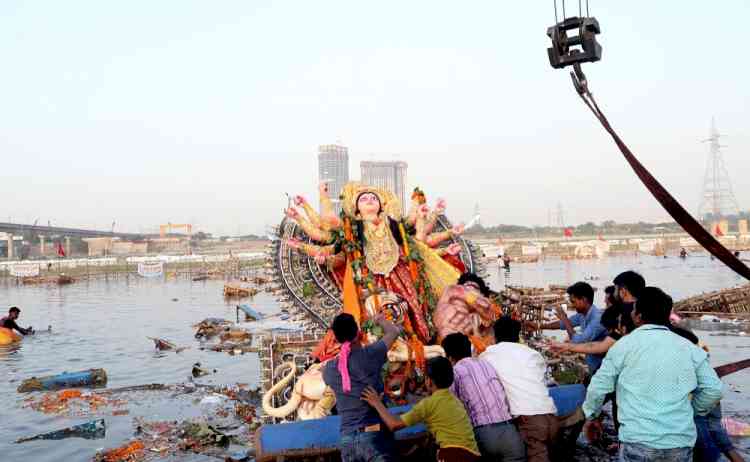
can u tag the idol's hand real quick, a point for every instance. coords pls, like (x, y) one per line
(454, 249)
(323, 188)
(320, 259)
(440, 206)
(458, 229)
(292, 213)
(423, 210)
(299, 201)
(294, 243)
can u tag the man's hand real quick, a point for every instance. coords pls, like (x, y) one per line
(390, 330)
(371, 397)
(559, 347)
(593, 430)
(560, 312)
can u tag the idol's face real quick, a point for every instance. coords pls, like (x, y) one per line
(368, 204)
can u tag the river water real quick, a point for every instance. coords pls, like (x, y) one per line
(105, 323)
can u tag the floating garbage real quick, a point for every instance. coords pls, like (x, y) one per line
(217, 411)
(58, 402)
(198, 371)
(210, 327)
(90, 378)
(165, 345)
(94, 430)
(250, 313)
(129, 452)
(161, 344)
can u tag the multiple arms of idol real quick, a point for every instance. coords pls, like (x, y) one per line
(322, 226)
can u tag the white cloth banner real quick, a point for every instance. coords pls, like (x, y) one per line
(23, 270)
(151, 269)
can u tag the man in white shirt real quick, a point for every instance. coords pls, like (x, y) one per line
(521, 371)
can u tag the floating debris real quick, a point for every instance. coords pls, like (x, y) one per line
(90, 378)
(94, 430)
(164, 345)
(237, 289)
(130, 452)
(73, 401)
(210, 327)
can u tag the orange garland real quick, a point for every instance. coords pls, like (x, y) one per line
(479, 345)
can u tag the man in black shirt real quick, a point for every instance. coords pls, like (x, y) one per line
(9, 322)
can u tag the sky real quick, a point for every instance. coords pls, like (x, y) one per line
(182, 111)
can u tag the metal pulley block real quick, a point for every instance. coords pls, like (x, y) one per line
(564, 50)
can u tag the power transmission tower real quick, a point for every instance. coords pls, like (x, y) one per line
(717, 199)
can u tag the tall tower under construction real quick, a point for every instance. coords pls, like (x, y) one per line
(717, 199)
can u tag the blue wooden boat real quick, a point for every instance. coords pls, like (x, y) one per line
(319, 438)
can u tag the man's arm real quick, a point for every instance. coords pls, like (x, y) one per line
(567, 324)
(393, 422)
(11, 324)
(603, 382)
(590, 348)
(390, 330)
(593, 330)
(709, 390)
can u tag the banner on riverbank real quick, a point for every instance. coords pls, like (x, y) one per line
(150, 269)
(23, 270)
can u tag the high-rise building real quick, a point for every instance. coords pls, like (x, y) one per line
(333, 168)
(390, 175)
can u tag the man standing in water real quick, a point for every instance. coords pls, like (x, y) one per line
(9, 322)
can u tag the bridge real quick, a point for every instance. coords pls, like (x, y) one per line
(17, 228)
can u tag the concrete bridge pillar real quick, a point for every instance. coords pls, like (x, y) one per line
(41, 245)
(67, 246)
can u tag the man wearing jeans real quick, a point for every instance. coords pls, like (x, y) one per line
(354, 369)
(478, 387)
(654, 372)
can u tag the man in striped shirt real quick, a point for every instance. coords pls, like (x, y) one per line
(478, 387)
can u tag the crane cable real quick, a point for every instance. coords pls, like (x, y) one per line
(670, 204)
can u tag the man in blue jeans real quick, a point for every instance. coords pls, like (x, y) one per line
(363, 437)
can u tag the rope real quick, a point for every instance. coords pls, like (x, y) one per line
(670, 204)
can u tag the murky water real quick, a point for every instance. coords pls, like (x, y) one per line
(106, 324)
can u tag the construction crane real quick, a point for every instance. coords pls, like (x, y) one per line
(169, 227)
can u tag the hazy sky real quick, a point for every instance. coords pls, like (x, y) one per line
(145, 112)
